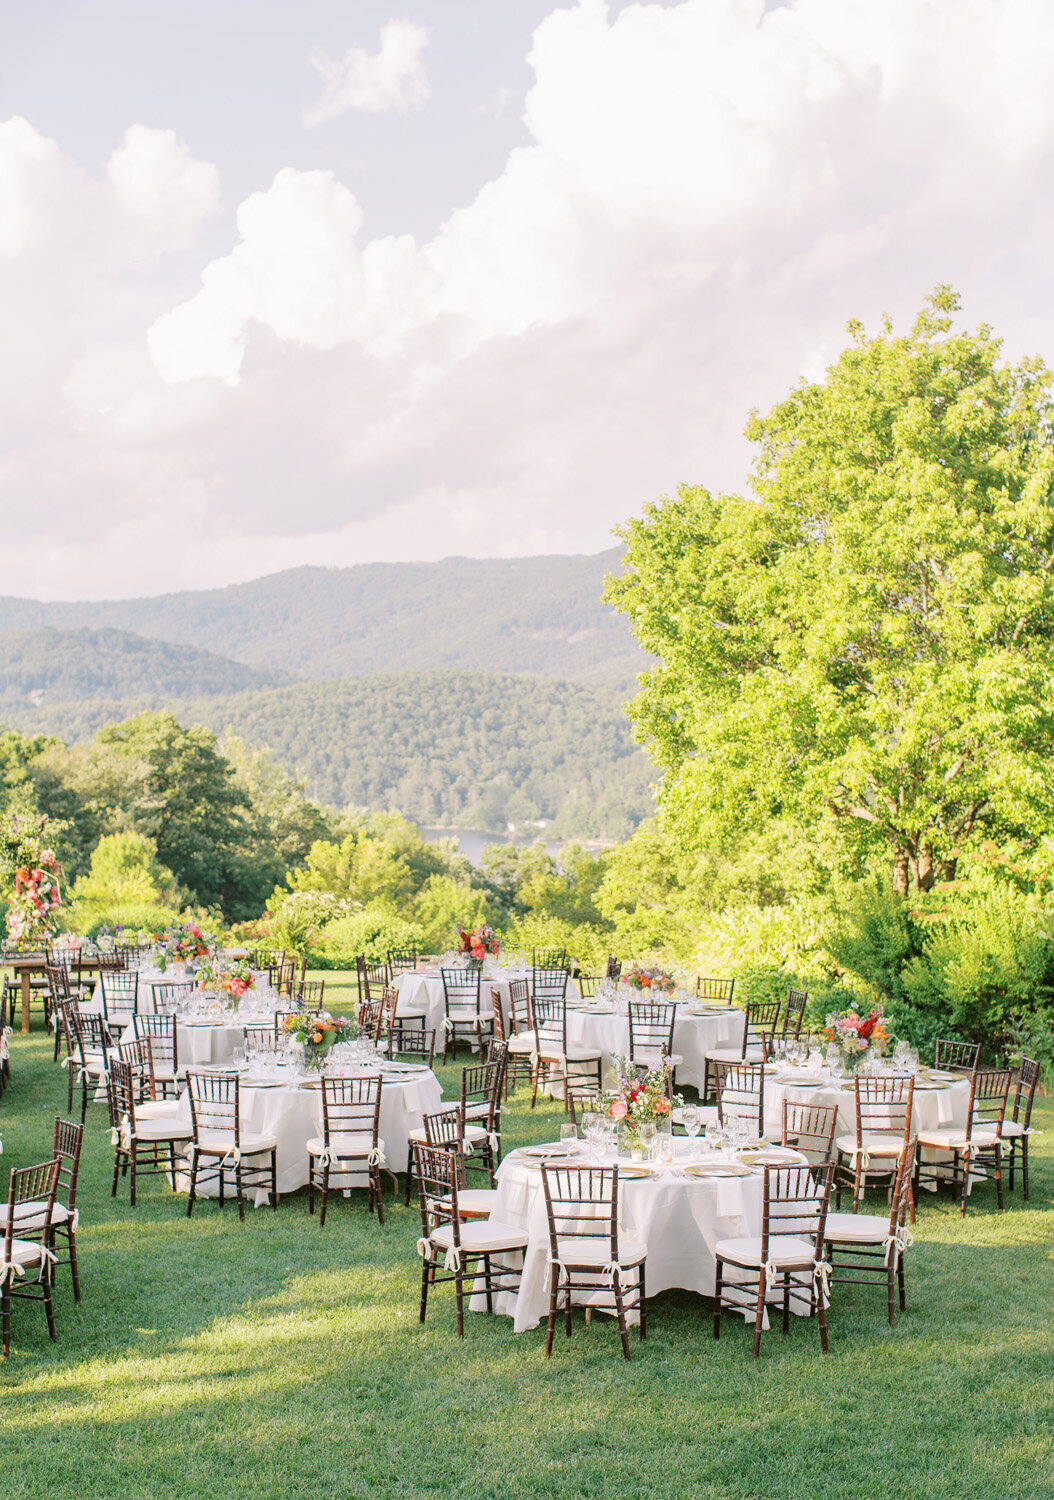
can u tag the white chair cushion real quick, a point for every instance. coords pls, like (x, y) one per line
(875, 1143)
(157, 1109)
(784, 1250)
(487, 1235)
(30, 1215)
(597, 1253)
(24, 1253)
(1012, 1127)
(478, 1111)
(476, 1203)
(656, 1059)
(220, 1142)
(523, 1043)
(161, 1130)
(581, 1055)
(733, 1054)
(953, 1138)
(856, 1229)
(341, 1144)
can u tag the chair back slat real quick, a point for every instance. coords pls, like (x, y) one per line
(810, 1129)
(741, 1095)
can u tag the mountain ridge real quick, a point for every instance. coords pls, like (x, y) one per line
(541, 615)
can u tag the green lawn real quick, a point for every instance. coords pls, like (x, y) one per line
(210, 1358)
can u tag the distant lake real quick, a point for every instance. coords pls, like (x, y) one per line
(472, 842)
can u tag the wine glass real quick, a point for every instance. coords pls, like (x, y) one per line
(569, 1137)
(692, 1124)
(647, 1138)
(712, 1134)
(589, 1129)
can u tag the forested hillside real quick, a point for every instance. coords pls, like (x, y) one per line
(48, 665)
(462, 749)
(535, 614)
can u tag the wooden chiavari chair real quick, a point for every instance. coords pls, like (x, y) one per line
(141, 1147)
(976, 1149)
(786, 1260)
(455, 1251)
(349, 1148)
(587, 1255)
(1016, 1131)
(883, 1129)
(868, 1249)
(26, 1271)
(219, 1145)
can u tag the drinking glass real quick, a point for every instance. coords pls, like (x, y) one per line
(569, 1137)
(589, 1130)
(238, 1057)
(647, 1138)
(713, 1134)
(692, 1124)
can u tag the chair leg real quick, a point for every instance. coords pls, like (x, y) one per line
(900, 1282)
(621, 1310)
(459, 1293)
(999, 1177)
(643, 1304)
(890, 1303)
(1024, 1167)
(717, 1299)
(376, 1179)
(424, 1288)
(133, 1156)
(49, 1310)
(821, 1317)
(72, 1240)
(551, 1324)
(760, 1311)
(324, 1197)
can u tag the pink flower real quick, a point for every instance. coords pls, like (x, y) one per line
(662, 1106)
(618, 1109)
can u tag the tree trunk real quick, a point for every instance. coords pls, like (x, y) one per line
(925, 873)
(900, 872)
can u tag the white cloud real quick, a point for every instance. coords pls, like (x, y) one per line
(706, 192)
(391, 78)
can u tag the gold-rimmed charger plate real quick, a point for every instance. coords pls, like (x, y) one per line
(717, 1169)
(635, 1169)
(774, 1156)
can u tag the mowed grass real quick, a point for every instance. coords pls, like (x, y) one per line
(210, 1358)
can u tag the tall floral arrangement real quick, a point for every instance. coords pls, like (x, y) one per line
(641, 1095)
(649, 980)
(232, 975)
(478, 943)
(181, 943)
(855, 1035)
(33, 872)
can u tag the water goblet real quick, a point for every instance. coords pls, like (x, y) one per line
(712, 1135)
(569, 1138)
(692, 1124)
(664, 1150)
(589, 1130)
(647, 1138)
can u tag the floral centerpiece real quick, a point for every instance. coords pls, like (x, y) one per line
(856, 1036)
(478, 944)
(318, 1033)
(232, 975)
(640, 1096)
(33, 903)
(181, 944)
(649, 980)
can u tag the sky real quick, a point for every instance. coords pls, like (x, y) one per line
(342, 281)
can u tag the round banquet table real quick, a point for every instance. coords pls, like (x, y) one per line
(597, 1026)
(680, 1219)
(292, 1113)
(933, 1106)
(422, 989)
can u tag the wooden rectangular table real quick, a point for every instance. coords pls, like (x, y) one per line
(26, 967)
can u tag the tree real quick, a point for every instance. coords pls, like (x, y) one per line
(200, 824)
(869, 637)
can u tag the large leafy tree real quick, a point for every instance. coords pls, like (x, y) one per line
(199, 815)
(869, 638)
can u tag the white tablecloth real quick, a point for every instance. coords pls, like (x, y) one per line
(422, 989)
(597, 1027)
(679, 1219)
(293, 1114)
(931, 1109)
